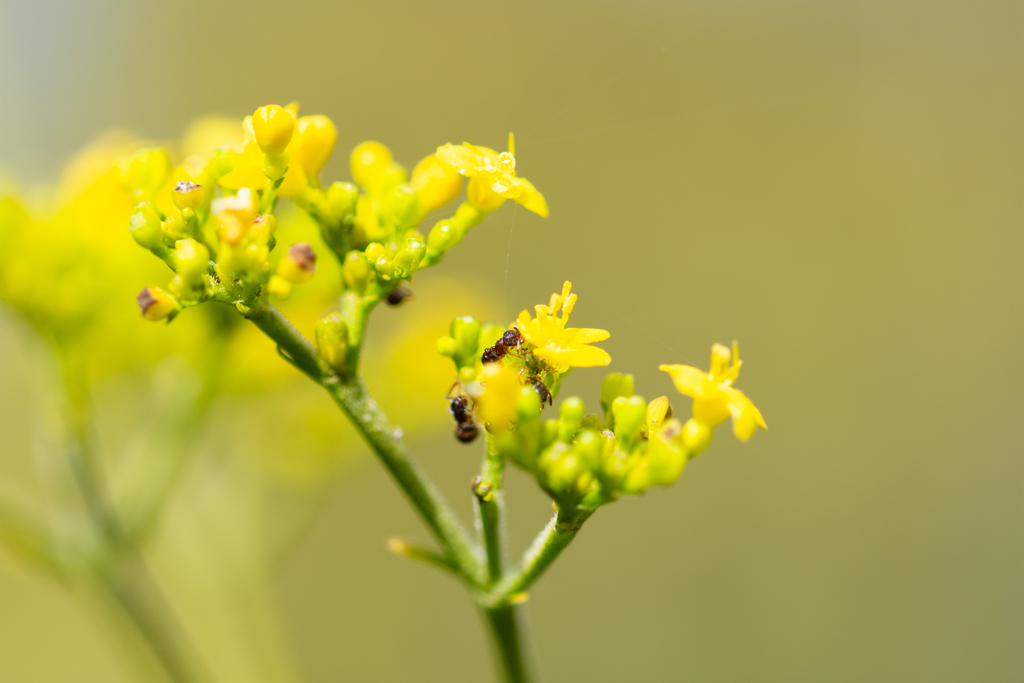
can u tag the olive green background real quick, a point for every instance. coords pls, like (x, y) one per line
(838, 185)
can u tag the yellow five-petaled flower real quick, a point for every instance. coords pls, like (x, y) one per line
(492, 176)
(559, 346)
(714, 398)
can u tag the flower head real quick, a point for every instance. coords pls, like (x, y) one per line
(714, 398)
(493, 176)
(559, 346)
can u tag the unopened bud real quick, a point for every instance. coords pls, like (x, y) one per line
(696, 436)
(188, 195)
(629, 414)
(273, 127)
(279, 287)
(155, 303)
(146, 226)
(315, 139)
(332, 340)
(357, 272)
(412, 252)
(263, 228)
(465, 330)
(435, 182)
(614, 386)
(406, 206)
(298, 264)
(342, 198)
(369, 163)
(191, 260)
(443, 236)
(570, 417)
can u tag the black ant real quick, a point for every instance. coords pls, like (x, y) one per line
(398, 296)
(466, 428)
(510, 339)
(542, 390)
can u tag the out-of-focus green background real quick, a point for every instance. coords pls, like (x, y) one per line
(837, 185)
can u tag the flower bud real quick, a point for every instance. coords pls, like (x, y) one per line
(263, 228)
(298, 264)
(561, 466)
(481, 196)
(332, 340)
(145, 171)
(589, 446)
(191, 261)
(629, 414)
(408, 259)
(614, 386)
(446, 346)
(279, 287)
(146, 226)
(314, 144)
(188, 195)
(405, 206)
(696, 436)
(658, 412)
(342, 198)
(435, 182)
(175, 227)
(155, 303)
(369, 163)
(357, 272)
(273, 127)
(443, 236)
(570, 417)
(465, 330)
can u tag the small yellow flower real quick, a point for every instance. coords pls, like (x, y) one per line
(492, 176)
(235, 215)
(559, 346)
(714, 398)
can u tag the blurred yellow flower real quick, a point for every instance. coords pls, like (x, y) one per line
(559, 346)
(493, 176)
(714, 398)
(496, 399)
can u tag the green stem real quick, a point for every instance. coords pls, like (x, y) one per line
(120, 551)
(351, 396)
(548, 545)
(147, 623)
(491, 509)
(509, 636)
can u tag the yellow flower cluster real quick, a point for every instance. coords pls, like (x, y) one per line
(219, 232)
(507, 376)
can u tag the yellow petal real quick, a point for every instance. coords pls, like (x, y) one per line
(746, 418)
(247, 176)
(294, 183)
(528, 196)
(587, 335)
(689, 380)
(467, 159)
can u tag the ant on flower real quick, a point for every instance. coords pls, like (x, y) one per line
(510, 339)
